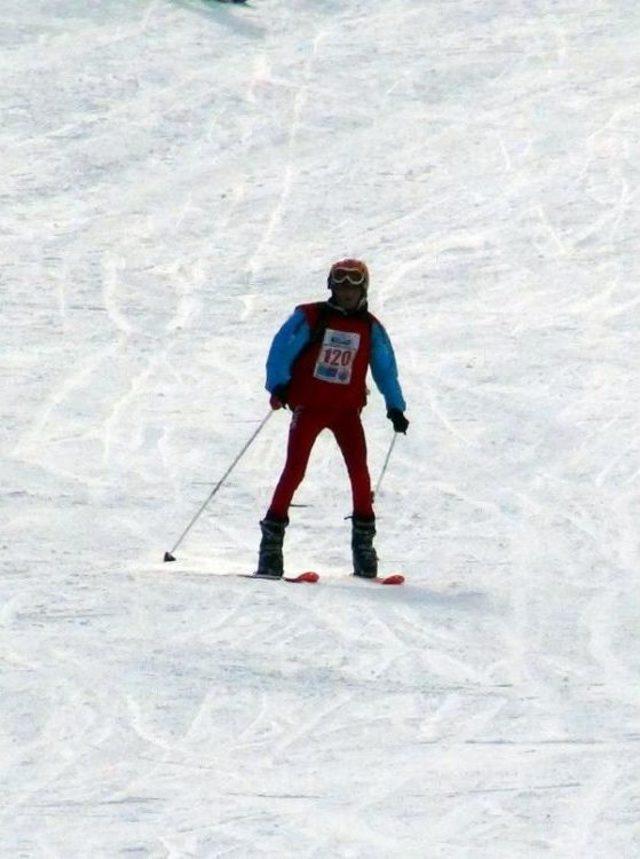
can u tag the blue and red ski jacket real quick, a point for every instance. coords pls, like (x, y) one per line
(322, 354)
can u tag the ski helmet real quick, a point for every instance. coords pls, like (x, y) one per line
(351, 271)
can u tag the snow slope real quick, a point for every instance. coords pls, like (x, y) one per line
(176, 176)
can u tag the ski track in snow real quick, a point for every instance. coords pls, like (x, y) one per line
(177, 175)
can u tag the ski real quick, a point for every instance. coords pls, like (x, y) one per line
(308, 577)
(311, 577)
(201, 5)
(394, 579)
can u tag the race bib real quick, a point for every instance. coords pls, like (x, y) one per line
(336, 357)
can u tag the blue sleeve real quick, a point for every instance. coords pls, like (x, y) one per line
(384, 368)
(285, 348)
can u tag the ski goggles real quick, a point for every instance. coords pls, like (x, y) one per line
(352, 276)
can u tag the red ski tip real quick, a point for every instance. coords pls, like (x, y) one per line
(305, 577)
(395, 579)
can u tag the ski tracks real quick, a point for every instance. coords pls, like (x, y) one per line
(301, 95)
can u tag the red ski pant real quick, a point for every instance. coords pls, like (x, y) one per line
(306, 425)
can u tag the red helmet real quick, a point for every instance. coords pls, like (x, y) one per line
(351, 271)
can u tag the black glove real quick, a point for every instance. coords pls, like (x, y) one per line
(397, 418)
(278, 399)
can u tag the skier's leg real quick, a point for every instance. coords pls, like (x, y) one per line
(350, 436)
(303, 432)
(305, 427)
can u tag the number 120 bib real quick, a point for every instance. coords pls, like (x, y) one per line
(336, 357)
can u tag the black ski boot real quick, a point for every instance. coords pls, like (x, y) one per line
(365, 559)
(270, 562)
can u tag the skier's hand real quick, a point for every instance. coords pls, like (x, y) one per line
(397, 418)
(278, 398)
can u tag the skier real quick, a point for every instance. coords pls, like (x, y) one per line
(317, 367)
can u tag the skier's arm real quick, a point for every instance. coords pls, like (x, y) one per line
(384, 368)
(285, 348)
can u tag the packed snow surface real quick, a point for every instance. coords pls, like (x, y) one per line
(176, 176)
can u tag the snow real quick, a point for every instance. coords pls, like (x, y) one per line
(176, 176)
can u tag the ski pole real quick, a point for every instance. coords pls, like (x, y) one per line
(169, 556)
(386, 463)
